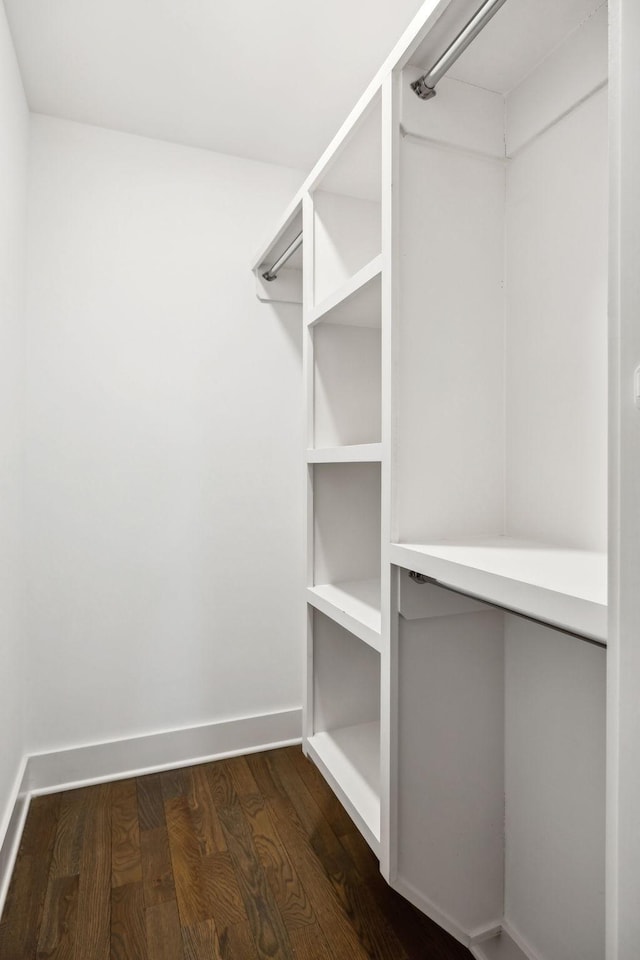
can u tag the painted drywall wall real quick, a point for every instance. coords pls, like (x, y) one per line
(14, 129)
(164, 432)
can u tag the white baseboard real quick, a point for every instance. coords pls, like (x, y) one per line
(119, 759)
(11, 830)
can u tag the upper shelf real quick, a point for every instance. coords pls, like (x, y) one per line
(563, 587)
(357, 303)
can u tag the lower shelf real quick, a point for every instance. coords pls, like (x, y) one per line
(349, 758)
(501, 947)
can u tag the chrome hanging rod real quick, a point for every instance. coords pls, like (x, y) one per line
(425, 86)
(272, 272)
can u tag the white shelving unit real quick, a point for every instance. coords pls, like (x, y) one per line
(463, 349)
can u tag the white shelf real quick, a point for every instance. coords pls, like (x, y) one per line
(357, 303)
(500, 947)
(563, 587)
(349, 759)
(354, 604)
(351, 453)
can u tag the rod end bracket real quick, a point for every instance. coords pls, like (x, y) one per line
(421, 89)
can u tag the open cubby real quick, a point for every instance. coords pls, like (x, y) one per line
(346, 541)
(345, 739)
(346, 385)
(346, 208)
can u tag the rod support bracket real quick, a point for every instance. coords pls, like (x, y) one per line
(421, 89)
(267, 275)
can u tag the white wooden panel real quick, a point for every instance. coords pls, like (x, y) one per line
(352, 453)
(417, 601)
(347, 521)
(450, 466)
(555, 791)
(624, 663)
(569, 74)
(347, 236)
(347, 385)
(557, 333)
(459, 115)
(451, 764)
(354, 604)
(346, 677)
(356, 169)
(357, 303)
(564, 587)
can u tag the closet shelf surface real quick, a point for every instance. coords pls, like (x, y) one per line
(349, 758)
(354, 604)
(357, 302)
(560, 586)
(350, 453)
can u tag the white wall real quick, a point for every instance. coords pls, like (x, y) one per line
(164, 435)
(14, 126)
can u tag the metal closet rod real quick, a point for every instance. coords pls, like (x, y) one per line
(272, 272)
(425, 85)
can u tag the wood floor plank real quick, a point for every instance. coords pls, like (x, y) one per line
(310, 943)
(201, 942)
(335, 859)
(291, 897)
(23, 913)
(223, 895)
(69, 834)
(93, 935)
(203, 812)
(267, 927)
(150, 802)
(187, 864)
(157, 872)
(128, 926)
(236, 943)
(164, 936)
(174, 783)
(57, 936)
(126, 864)
(21, 917)
(373, 930)
(328, 908)
(331, 808)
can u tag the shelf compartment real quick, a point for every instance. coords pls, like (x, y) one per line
(357, 303)
(351, 453)
(354, 604)
(347, 236)
(349, 759)
(346, 534)
(562, 587)
(346, 385)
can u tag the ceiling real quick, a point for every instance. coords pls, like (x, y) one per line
(267, 79)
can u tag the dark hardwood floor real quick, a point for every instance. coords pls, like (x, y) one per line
(241, 859)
